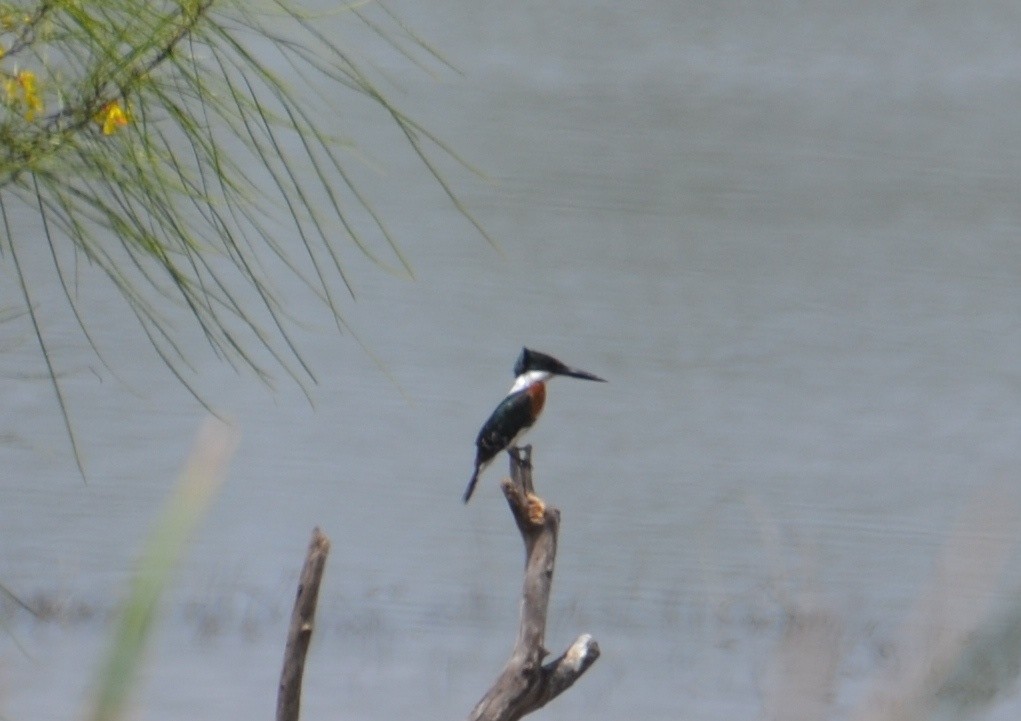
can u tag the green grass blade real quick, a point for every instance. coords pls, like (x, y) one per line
(161, 553)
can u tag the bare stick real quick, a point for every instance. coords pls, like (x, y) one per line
(299, 635)
(525, 684)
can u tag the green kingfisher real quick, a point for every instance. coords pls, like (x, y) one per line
(520, 409)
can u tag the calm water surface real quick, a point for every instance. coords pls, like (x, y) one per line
(789, 238)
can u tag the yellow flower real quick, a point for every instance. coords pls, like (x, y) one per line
(22, 88)
(33, 103)
(112, 117)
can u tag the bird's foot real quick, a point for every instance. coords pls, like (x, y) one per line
(536, 509)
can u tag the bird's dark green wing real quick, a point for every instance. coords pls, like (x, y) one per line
(511, 417)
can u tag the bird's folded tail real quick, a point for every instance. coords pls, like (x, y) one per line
(471, 485)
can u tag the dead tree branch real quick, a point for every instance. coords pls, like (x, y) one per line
(299, 635)
(525, 684)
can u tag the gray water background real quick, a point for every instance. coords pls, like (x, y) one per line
(787, 233)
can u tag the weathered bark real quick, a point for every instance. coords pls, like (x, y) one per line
(299, 635)
(525, 684)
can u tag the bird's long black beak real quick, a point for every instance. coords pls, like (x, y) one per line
(584, 375)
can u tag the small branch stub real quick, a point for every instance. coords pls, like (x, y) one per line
(299, 634)
(525, 684)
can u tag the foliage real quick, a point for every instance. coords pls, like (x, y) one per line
(131, 129)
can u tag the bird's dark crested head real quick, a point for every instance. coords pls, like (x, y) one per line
(533, 360)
